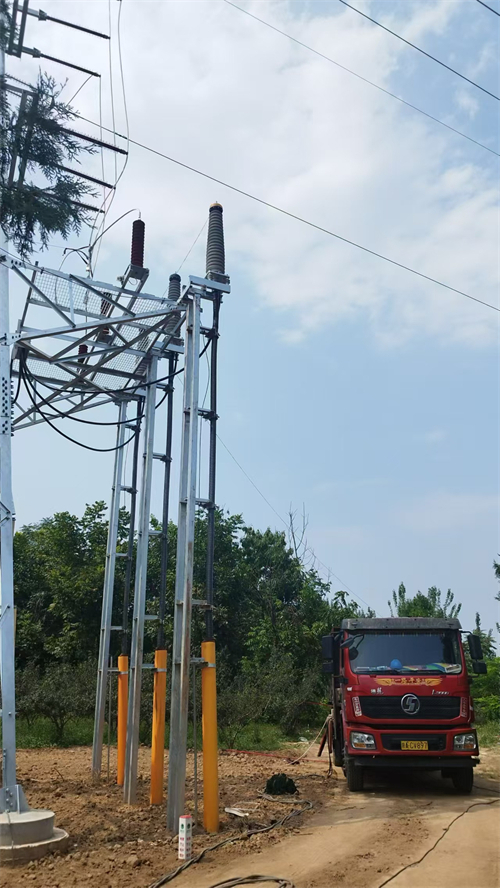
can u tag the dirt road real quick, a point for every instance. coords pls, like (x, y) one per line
(359, 840)
(362, 840)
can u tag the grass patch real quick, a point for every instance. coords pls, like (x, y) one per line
(488, 734)
(256, 735)
(41, 733)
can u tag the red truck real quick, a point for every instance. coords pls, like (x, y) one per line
(401, 697)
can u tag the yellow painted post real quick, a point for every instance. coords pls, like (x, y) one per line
(121, 740)
(158, 733)
(210, 751)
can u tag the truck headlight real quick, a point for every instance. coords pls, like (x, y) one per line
(362, 741)
(463, 742)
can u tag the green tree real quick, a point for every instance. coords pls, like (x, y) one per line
(270, 610)
(423, 605)
(34, 136)
(58, 576)
(60, 693)
(496, 568)
(487, 641)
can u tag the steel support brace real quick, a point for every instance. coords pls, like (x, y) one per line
(107, 598)
(184, 571)
(134, 699)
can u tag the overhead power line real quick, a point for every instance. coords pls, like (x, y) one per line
(287, 525)
(297, 218)
(253, 482)
(488, 7)
(429, 56)
(360, 77)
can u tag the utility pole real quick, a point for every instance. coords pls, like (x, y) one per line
(11, 797)
(181, 648)
(211, 288)
(134, 700)
(16, 818)
(215, 270)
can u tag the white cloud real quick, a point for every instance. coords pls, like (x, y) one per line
(466, 102)
(444, 511)
(211, 87)
(434, 436)
(341, 536)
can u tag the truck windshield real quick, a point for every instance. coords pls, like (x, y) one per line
(404, 652)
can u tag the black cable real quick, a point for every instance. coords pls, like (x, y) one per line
(488, 7)
(160, 402)
(26, 374)
(281, 881)
(416, 862)
(360, 77)
(246, 835)
(170, 375)
(290, 215)
(16, 396)
(88, 246)
(64, 415)
(68, 438)
(429, 56)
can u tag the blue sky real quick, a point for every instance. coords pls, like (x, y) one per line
(346, 385)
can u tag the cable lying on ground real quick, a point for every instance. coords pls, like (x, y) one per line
(436, 843)
(246, 835)
(252, 880)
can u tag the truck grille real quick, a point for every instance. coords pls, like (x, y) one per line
(437, 742)
(388, 708)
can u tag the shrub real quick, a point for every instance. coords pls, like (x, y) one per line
(274, 693)
(487, 709)
(61, 693)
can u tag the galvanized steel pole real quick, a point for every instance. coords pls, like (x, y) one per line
(11, 795)
(215, 269)
(131, 531)
(181, 656)
(107, 597)
(160, 643)
(7, 674)
(134, 700)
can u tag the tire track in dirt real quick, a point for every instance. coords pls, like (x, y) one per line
(362, 840)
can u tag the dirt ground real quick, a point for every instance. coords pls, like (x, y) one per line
(347, 840)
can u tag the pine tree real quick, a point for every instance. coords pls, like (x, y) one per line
(33, 136)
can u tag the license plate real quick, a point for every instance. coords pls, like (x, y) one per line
(414, 744)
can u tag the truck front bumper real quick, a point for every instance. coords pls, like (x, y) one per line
(425, 762)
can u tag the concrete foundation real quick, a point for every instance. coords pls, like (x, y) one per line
(29, 835)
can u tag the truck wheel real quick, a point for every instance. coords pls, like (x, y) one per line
(354, 776)
(463, 780)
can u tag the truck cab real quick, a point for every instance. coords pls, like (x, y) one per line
(401, 697)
